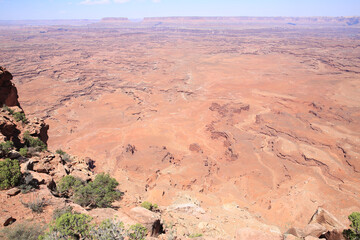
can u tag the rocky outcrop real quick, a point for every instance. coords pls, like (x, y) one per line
(48, 168)
(12, 116)
(322, 224)
(149, 219)
(314, 230)
(326, 219)
(8, 91)
(37, 127)
(12, 129)
(8, 127)
(13, 192)
(334, 235)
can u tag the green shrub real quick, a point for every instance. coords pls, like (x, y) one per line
(60, 211)
(195, 235)
(137, 232)
(64, 156)
(354, 232)
(150, 206)
(6, 147)
(68, 185)
(34, 142)
(99, 193)
(23, 151)
(10, 173)
(6, 108)
(109, 230)
(26, 231)
(20, 116)
(60, 152)
(72, 225)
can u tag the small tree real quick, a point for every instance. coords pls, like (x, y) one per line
(20, 116)
(149, 206)
(354, 232)
(10, 173)
(60, 152)
(34, 142)
(99, 193)
(6, 147)
(23, 151)
(68, 185)
(70, 226)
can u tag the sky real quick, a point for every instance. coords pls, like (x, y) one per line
(135, 9)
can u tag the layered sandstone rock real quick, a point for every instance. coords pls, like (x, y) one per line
(8, 91)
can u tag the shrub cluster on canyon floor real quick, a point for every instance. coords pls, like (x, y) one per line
(99, 193)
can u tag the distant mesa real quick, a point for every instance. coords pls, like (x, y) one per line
(353, 21)
(115, 19)
(333, 21)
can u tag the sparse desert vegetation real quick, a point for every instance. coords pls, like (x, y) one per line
(10, 173)
(98, 193)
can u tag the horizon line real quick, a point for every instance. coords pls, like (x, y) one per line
(210, 16)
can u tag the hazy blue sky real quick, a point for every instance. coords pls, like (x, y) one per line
(95, 9)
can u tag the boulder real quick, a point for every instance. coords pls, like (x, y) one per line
(149, 219)
(14, 154)
(6, 220)
(7, 127)
(326, 219)
(314, 229)
(28, 165)
(254, 234)
(59, 172)
(38, 128)
(42, 178)
(81, 174)
(13, 192)
(335, 234)
(297, 232)
(43, 164)
(41, 167)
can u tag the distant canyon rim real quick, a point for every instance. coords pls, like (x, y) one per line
(231, 113)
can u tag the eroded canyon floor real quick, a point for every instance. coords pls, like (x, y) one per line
(264, 121)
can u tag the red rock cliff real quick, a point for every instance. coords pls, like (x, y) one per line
(8, 91)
